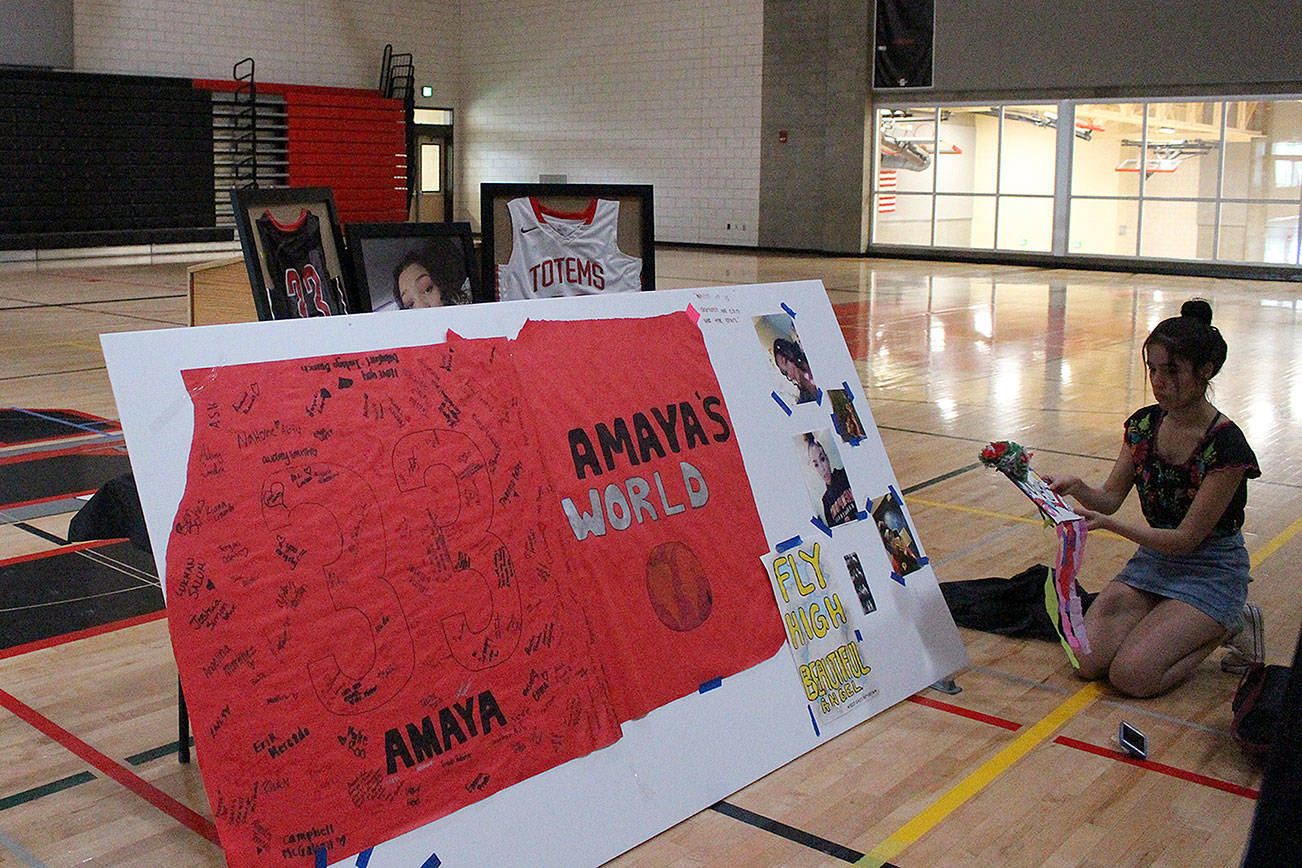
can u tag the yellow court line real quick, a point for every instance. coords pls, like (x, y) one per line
(1030, 738)
(973, 510)
(1275, 544)
(938, 810)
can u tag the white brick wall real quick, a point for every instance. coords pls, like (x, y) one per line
(644, 91)
(662, 92)
(336, 43)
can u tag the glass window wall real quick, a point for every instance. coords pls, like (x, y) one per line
(981, 176)
(1199, 180)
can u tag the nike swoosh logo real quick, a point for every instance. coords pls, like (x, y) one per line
(530, 229)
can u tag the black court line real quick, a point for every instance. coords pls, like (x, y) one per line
(36, 531)
(152, 754)
(959, 472)
(54, 373)
(44, 304)
(798, 836)
(51, 788)
(983, 442)
(1039, 451)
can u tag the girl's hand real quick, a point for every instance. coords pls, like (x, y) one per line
(1063, 484)
(1093, 520)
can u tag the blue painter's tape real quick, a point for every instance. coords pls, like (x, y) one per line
(787, 544)
(923, 561)
(818, 523)
(320, 857)
(819, 400)
(897, 577)
(364, 857)
(781, 403)
(788, 310)
(863, 515)
(813, 720)
(710, 685)
(849, 396)
(858, 637)
(432, 862)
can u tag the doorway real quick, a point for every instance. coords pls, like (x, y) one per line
(432, 202)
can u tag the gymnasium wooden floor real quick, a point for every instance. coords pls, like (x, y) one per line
(1017, 769)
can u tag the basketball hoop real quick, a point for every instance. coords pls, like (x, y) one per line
(1152, 164)
(1163, 157)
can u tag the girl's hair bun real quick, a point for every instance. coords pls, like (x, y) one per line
(1199, 309)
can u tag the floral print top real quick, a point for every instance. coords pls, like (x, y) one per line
(1166, 491)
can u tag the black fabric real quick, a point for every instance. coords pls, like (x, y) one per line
(1009, 607)
(41, 477)
(28, 426)
(63, 592)
(1259, 707)
(1276, 836)
(112, 512)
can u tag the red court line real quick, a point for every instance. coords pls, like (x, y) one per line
(147, 791)
(1182, 774)
(1193, 777)
(80, 449)
(61, 550)
(965, 712)
(69, 495)
(65, 638)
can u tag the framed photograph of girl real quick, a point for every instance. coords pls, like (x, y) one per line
(400, 266)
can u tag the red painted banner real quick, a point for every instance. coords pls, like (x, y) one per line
(402, 580)
(649, 477)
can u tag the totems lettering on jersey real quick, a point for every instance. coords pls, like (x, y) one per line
(555, 253)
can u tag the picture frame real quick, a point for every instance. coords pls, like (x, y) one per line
(387, 258)
(570, 206)
(289, 236)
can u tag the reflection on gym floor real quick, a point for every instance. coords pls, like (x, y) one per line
(952, 356)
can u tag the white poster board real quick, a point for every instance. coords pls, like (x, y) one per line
(687, 755)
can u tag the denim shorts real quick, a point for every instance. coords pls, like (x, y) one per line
(1213, 578)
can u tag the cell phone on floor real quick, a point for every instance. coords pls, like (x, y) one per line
(1132, 741)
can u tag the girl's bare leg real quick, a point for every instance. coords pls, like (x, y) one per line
(1116, 611)
(1163, 649)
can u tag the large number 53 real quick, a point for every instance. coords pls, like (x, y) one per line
(327, 522)
(477, 599)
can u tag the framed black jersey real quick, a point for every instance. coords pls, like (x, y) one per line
(293, 250)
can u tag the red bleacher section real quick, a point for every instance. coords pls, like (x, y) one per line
(352, 141)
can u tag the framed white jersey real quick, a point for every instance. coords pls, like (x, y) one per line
(549, 240)
(565, 252)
